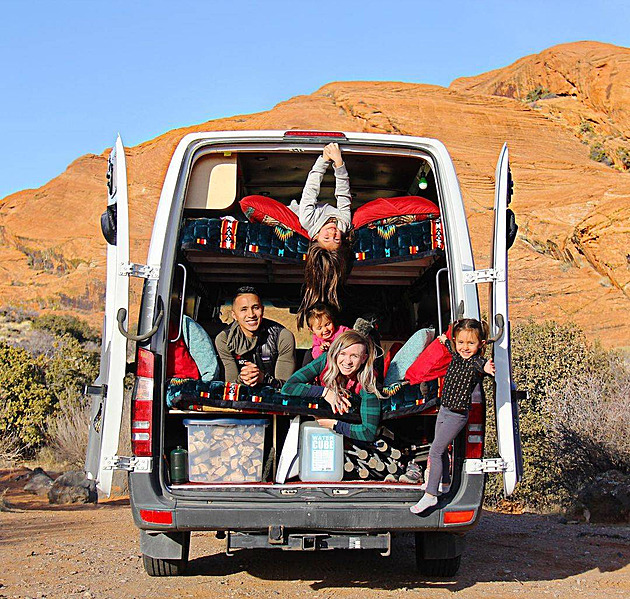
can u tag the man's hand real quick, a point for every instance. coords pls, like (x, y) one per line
(340, 405)
(332, 152)
(489, 367)
(251, 375)
(326, 422)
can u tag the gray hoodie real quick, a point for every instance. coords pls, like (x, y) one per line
(314, 215)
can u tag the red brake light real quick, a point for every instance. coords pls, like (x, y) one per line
(157, 516)
(475, 431)
(144, 363)
(335, 134)
(462, 517)
(142, 405)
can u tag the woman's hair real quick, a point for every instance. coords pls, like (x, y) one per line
(333, 379)
(325, 273)
(315, 313)
(481, 329)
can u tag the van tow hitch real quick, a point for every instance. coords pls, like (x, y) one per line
(278, 538)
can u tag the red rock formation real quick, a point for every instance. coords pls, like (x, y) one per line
(570, 261)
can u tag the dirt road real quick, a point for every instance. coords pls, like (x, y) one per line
(92, 552)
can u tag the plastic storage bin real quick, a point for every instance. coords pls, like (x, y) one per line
(225, 450)
(321, 454)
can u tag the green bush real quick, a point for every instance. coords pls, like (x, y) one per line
(598, 154)
(62, 324)
(623, 155)
(586, 127)
(546, 357)
(25, 401)
(539, 93)
(71, 367)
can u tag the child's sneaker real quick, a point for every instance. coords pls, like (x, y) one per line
(413, 474)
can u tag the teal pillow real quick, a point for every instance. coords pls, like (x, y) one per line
(407, 355)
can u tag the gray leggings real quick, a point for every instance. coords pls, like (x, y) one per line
(447, 427)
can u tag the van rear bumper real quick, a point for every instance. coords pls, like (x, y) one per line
(237, 513)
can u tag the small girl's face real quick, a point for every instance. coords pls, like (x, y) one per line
(329, 236)
(467, 344)
(322, 327)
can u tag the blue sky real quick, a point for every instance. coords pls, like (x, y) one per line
(74, 73)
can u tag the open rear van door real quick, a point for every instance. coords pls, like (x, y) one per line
(107, 391)
(506, 406)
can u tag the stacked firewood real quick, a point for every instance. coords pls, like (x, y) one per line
(220, 453)
(379, 461)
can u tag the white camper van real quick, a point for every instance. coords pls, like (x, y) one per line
(408, 274)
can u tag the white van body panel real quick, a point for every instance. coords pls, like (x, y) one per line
(107, 408)
(508, 436)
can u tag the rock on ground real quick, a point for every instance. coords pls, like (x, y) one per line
(73, 487)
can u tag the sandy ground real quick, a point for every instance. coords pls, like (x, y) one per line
(93, 552)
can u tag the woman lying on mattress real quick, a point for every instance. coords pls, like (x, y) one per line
(347, 368)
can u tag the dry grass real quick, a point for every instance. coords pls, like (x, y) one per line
(590, 420)
(68, 430)
(11, 451)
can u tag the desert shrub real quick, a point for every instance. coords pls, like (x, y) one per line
(71, 368)
(545, 357)
(11, 450)
(25, 401)
(539, 93)
(37, 343)
(598, 154)
(586, 127)
(590, 420)
(62, 324)
(17, 314)
(623, 155)
(68, 429)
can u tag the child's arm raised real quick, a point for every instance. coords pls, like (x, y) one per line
(307, 212)
(342, 182)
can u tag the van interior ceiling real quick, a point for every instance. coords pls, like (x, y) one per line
(400, 295)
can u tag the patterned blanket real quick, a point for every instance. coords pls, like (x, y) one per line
(372, 244)
(197, 395)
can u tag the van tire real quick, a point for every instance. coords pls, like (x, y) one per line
(164, 567)
(439, 568)
(439, 554)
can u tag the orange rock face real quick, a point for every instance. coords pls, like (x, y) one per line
(570, 260)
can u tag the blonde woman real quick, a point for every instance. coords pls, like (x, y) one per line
(346, 369)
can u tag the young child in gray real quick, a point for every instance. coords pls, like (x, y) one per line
(465, 371)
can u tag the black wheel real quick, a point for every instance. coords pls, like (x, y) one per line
(440, 568)
(438, 554)
(169, 567)
(164, 567)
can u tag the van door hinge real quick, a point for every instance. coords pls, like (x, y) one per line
(487, 275)
(487, 465)
(128, 463)
(143, 271)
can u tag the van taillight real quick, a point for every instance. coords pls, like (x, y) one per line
(333, 134)
(475, 429)
(142, 405)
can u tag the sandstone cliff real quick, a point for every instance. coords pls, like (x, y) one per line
(570, 261)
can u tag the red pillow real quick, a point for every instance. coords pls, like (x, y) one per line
(432, 362)
(261, 209)
(387, 207)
